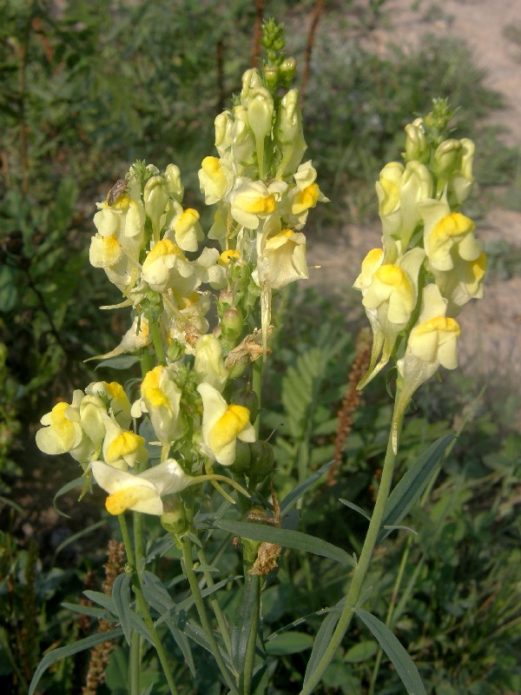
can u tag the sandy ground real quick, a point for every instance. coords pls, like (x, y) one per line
(491, 328)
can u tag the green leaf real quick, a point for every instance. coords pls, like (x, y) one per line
(121, 599)
(160, 600)
(8, 291)
(361, 652)
(296, 540)
(244, 617)
(408, 490)
(355, 508)
(63, 652)
(323, 638)
(302, 488)
(289, 643)
(77, 536)
(80, 608)
(119, 362)
(71, 485)
(402, 662)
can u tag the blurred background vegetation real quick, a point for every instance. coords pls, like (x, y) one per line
(86, 88)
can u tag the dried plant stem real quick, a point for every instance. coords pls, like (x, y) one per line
(99, 655)
(350, 402)
(257, 33)
(313, 26)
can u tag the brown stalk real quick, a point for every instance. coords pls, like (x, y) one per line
(350, 402)
(99, 655)
(316, 13)
(257, 33)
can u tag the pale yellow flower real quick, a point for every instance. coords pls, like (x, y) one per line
(160, 398)
(448, 236)
(222, 425)
(140, 493)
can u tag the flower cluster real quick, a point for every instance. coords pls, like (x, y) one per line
(430, 263)
(195, 307)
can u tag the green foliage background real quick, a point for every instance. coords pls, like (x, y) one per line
(86, 88)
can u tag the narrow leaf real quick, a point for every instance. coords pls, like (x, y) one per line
(355, 508)
(71, 485)
(302, 488)
(402, 662)
(289, 643)
(408, 490)
(245, 615)
(76, 536)
(63, 652)
(119, 362)
(286, 538)
(323, 638)
(91, 611)
(121, 598)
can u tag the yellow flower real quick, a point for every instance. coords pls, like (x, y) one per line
(187, 229)
(223, 424)
(163, 263)
(400, 191)
(121, 448)
(209, 363)
(389, 295)
(143, 492)
(160, 398)
(62, 430)
(448, 236)
(282, 259)
(215, 179)
(463, 283)
(250, 202)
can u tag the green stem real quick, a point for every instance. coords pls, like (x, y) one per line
(214, 603)
(256, 384)
(135, 662)
(157, 341)
(362, 567)
(390, 611)
(203, 617)
(252, 585)
(135, 561)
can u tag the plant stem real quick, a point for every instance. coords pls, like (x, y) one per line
(203, 617)
(214, 603)
(256, 385)
(135, 561)
(362, 567)
(135, 662)
(157, 341)
(252, 585)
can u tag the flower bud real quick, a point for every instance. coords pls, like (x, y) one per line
(251, 80)
(173, 519)
(155, 197)
(232, 324)
(260, 113)
(447, 157)
(271, 76)
(174, 184)
(415, 143)
(287, 69)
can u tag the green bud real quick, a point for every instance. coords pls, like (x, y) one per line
(174, 518)
(174, 184)
(416, 147)
(447, 157)
(232, 324)
(287, 70)
(271, 76)
(155, 198)
(251, 80)
(260, 113)
(249, 551)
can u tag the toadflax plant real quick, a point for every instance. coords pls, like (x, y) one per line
(181, 443)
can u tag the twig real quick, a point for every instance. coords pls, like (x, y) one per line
(313, 25)
(257, 33)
